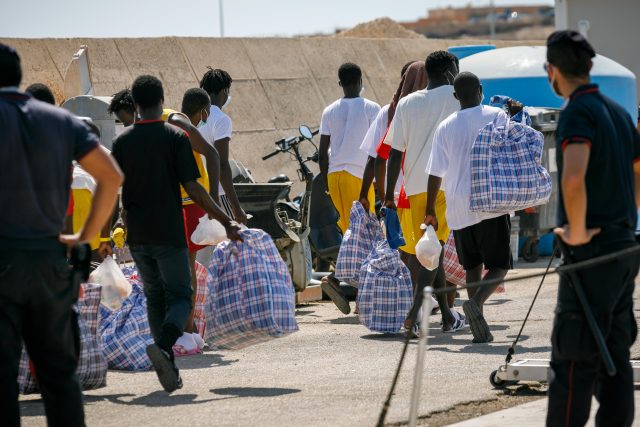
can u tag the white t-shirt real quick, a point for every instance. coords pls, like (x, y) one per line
(347, 121)
(218, 126)
(416, 119)
(450, 158)
(82, 180)
(375, 133)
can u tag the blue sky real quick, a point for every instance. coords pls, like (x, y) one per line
(243, 18)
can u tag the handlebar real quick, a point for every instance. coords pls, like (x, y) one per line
(270, 155)
(315, 132)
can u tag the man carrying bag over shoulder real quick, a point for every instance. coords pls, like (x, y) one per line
(37, 286)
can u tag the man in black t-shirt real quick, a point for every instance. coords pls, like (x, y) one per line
(598, 148)
(156, 158)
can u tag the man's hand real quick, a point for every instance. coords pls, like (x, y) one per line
(232, 230)
(364, 201)
(240, 217)
(514, 107)
(431, 219)
(105, 249)
(576, 237)
(70, 240)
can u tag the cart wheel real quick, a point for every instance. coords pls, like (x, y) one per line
(495, 381)
(530, 251)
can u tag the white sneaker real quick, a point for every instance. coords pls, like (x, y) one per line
(185, 346)
(199, 341)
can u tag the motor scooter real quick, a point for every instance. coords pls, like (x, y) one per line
(304, 230)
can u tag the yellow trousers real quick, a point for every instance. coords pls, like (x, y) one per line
(418, 203)
(81, 208)
(344, 189)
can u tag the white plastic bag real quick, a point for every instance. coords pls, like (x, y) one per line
(428, 249)
(209, 232)
(115, 287)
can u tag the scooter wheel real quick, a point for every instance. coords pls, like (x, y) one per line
(530, 250)
(495, 381)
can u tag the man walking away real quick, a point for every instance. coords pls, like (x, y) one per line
(41, 92)
(37, 286)
(411, 135)
(156, 158)
(343, 127)
(598, 149)
(217, 131)
(481, 238)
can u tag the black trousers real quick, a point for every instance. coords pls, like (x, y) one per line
(577, 371)
(36, 298)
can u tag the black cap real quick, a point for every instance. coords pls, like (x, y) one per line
(572, 39)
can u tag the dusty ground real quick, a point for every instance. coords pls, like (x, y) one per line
(333, 372)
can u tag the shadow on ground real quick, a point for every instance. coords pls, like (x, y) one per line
(203, 361)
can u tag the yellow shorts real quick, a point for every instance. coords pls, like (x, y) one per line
(406, 223)
(81, 208)
(344, 189)
(418, 204)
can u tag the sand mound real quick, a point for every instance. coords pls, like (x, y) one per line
(380, 28)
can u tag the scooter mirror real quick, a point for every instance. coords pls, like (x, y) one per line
(305, 132)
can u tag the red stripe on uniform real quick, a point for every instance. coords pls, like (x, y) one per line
(575, 139)
(636, 160)
(570, 395)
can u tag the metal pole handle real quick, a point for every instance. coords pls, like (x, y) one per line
(422, 349)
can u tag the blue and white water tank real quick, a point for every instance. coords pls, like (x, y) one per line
(518, 72)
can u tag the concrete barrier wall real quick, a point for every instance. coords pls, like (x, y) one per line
(278, 83)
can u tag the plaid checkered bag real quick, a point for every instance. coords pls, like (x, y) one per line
(125, 333)
(201, 298)
(92, 366)
(357, 243)
(385, 295)
(251, 296)
(506, 169)
(453, 271)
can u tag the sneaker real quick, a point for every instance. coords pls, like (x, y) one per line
(333, 291)
(459, 316)
(199, 341)
(477, 322)
(435, 307)
(414, 333)
(165, 367)
(186, 346)
(457, 325)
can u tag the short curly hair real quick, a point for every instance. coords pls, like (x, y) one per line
(122, 101)
(215, 80)
(439, 62)
(147, 91)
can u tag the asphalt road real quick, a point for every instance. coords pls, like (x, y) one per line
(333, 372)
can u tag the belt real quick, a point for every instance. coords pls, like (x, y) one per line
(41, 244)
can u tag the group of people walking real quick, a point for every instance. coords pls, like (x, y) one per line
(173, 168)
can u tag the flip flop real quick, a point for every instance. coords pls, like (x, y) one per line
(334, 292)
(477, 322)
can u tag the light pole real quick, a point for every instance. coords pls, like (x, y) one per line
(221, 13)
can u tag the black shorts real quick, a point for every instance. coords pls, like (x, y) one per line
(488, 243)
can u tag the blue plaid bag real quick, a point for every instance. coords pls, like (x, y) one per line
(385, 295)
(251, 297)
(125, 332)
(506, 169)
(92, 366)
(357, 243)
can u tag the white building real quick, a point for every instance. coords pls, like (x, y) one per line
(612, 26)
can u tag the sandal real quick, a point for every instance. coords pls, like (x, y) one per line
(333, 291)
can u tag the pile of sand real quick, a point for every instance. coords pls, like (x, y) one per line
(381, 28)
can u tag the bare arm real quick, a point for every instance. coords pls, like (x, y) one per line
(201, 146)
(367, 180)
(99, 164)
(433, 186)
(226, 179)
(199, 195)
(574, 195)
(323, 157)
(380, 171)
(393, 171)
(636, 170)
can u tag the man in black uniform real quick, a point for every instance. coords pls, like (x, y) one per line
(597, 151)
(37, 144)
